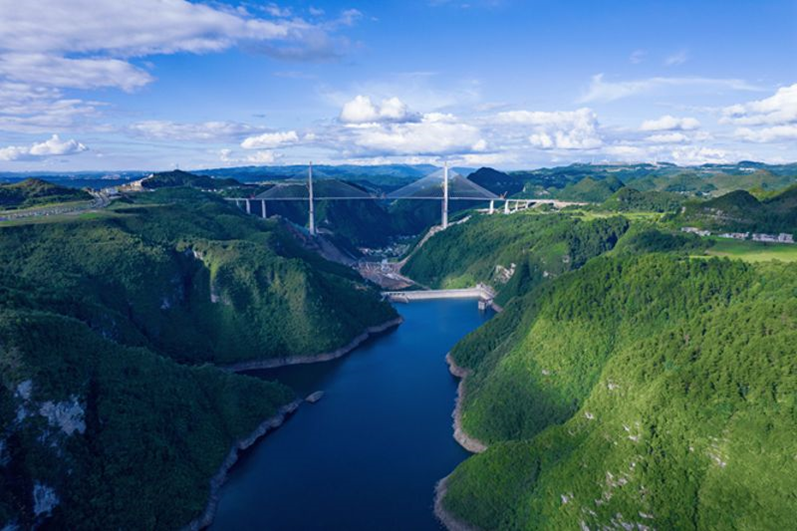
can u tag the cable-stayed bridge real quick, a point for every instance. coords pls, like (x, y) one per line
(443, 185)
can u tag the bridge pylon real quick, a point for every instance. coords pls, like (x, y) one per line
(312, 207)
(445, 196)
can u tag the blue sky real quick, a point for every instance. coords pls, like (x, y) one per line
(153, 84)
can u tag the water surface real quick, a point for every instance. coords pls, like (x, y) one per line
(367, 456)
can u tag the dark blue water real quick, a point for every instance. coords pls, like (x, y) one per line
(368, 455)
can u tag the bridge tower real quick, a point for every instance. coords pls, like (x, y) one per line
(312, 208)
(445, 195)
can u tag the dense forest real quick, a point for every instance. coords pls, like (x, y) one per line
(637, 384)
(513, 253)
(34, 192)
(742, 211)
(648, 390)
(111, 414)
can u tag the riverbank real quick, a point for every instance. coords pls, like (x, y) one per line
(450, 522)
(467, 442)
(273, 363)
(220, 478)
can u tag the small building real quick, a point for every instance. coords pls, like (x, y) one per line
(773, 238)
(695, 230)
(735, 235)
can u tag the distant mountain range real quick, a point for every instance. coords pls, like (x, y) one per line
(564, 182)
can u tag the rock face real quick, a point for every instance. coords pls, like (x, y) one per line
(314, 397)
(44, 499)
(220, 478)
(67, 415)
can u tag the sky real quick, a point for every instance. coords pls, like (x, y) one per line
(158, 84)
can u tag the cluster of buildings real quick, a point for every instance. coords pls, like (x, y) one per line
(783, 237)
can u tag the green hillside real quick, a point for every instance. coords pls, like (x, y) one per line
(498, 182)
(629, 199)
(168, 179)
(590, 189)
(179, 261)
(98, 415)
(647, 390)
(741, 211)
(122, 437)
(34, 192)
(512, 253)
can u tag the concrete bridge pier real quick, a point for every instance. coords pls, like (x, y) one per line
(311, 205)
(263, 209)
(492, 206)
(248, 207)
(506, 206)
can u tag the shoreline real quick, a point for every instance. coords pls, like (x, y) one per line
(273, 363)
(448, 520)
(218, 480)
(474, 446)
(469, 443)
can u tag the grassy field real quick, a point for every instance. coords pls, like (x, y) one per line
(750, 251)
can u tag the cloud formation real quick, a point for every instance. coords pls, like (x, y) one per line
(87, 44)
(570, 130)
(194, 132)
(781, 108)
(49, 148)
(362, 110)
(670, 123)
(270, 140)
(600, 90)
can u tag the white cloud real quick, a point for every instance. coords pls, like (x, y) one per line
(39, 41)
(559, 129)
(198, 132)
(51, 70)
(258, 157)
(682, 155)
(781, 108)
(276, 11)
(49, 148)
(418, 138)
(362, 110)
(28, 109)
(768, 134)
(678, 58)
(600, 90)
(270, 140)
(691, 155)
(670, 123)
(668, 138)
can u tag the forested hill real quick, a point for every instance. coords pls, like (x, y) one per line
(182, 178)
(626, 383)
(651, 391)
(111, 414)
(34, 192)
(741, 211)
(512, 253)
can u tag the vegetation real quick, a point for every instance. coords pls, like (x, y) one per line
(591, 190)
(497, 182)
(635, 387)
(650, 390)
(513, 252)
(35, 192)
(143, 441)
(751, 251)
(96, 315)
(629, 199)
(741, 211)
(174, 178)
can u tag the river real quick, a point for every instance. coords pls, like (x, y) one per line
(368, 454)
